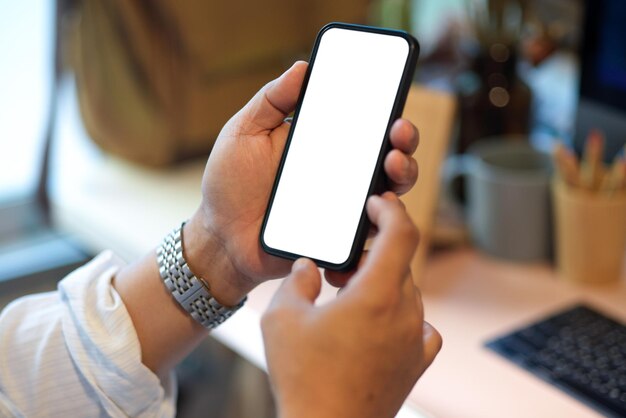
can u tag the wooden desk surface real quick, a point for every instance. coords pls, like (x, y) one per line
(469, 297)
(472, 298)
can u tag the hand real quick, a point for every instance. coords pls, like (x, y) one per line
(222, 239)
(360, 354)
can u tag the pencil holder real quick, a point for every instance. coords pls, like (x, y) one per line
(590, 232)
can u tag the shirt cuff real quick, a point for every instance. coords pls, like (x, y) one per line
(104, 346)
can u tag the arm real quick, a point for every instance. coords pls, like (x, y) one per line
(75, 352)
(93, 339)
(221, 240)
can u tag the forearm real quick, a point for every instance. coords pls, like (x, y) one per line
(315, 409)
(166, 332)
(78, 343)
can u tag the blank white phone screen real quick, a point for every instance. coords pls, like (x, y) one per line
(335, 144)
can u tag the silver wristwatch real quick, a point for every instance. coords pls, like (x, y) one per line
(191, 292)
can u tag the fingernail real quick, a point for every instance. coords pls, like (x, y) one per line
(373, 198)
(390, 196)
(301, 264)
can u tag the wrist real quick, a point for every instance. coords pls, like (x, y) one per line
(316, 398)
(313, 410)
(208, 258)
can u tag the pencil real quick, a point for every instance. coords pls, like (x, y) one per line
(615, 178)
(592, 168)
(567, 165)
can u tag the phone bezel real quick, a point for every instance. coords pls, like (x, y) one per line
(378, 180)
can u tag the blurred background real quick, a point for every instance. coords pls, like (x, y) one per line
(453, 34)
(155, 81)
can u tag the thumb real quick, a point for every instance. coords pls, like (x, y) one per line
(301, 287)
(269, 107)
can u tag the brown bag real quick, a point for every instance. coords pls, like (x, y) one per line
(158, 79)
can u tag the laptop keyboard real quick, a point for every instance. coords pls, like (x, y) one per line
(580, 350)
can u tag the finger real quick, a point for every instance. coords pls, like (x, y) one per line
(390, 197)
(269, 107)
(431, 339)
(372, 232)
(404, 136)
(341, 278)
(338, 278)
(432, 343)
(410, 296)
(401, 170)
(301, 287)
(395, 244)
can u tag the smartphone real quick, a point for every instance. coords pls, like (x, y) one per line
(354, 89)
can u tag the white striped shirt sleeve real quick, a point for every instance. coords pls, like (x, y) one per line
(74, 352)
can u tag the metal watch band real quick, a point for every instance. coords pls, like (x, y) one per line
(191, 292)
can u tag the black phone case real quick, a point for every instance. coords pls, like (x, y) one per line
(378, 183)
